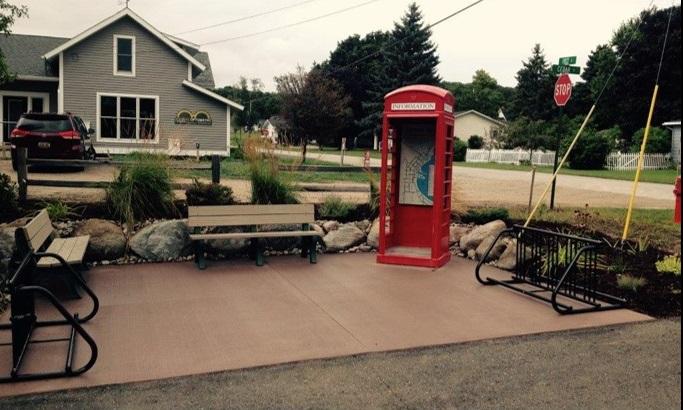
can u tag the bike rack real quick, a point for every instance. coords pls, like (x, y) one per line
(556, 263)
(23, 320)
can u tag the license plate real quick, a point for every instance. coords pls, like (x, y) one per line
(44, 145)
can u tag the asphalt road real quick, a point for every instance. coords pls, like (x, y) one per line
(623, 367)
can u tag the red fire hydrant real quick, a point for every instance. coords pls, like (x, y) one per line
(677, 192)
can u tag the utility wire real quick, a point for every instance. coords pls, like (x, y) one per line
(252, 16)
(298, 23)
(666, 38)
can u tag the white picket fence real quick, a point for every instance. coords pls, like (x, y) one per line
(629, 161)
(510, 156)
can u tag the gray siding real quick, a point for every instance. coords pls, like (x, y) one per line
(160, 71)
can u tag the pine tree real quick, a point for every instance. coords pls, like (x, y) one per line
(410, 58)
(535, 85)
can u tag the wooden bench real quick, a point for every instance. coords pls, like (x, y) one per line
(38, 237)
(254, 217)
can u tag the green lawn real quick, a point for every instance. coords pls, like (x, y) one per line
(238, 169)
(662, 176)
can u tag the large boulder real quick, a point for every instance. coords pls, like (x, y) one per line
(346, 236)
(373, 235)
(330, 226)
(226, 246)
(496, 251)
(284, 243)
(107, 241)
(508, 260)
(162, 241)
(456, 232)
(472, 239)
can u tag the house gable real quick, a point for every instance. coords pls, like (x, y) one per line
(125, 13)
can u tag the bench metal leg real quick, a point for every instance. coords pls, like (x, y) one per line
(256, 251)
(199, 258)
(305, 246)
(313, 251)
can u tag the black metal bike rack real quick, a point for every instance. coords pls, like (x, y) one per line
(23, 320)
(553, 264)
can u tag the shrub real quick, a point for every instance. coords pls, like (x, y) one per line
(485, 215)
(670, 264)
(9, 207)
(208, 194)
(267, 184)
(591, 150)
(335, 208)
(475, 142)
(459, 151)
(631, 283)
(143, 189)
(659, 141)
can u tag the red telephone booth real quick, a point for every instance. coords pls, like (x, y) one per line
(417, 176)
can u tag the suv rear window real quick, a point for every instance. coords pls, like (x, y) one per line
(45, 123)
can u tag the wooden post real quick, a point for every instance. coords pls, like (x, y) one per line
(531, 189)
(22, 174)
(216, 169)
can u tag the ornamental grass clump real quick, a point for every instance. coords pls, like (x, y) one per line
(335, 208)
(670, 264)
(142, 190)
(267, 184)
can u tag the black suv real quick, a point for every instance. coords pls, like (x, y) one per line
(52, 136)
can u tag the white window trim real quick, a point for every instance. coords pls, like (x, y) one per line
(116, 55)
(28, 94)
(118, 139)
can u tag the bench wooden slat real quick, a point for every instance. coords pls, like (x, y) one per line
(38, 230)
(261, 219)
(247, 235)
(71, 249)
(241, 210)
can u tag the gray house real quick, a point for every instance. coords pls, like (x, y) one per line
(140, 89)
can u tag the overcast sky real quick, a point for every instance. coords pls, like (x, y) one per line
(495, 35)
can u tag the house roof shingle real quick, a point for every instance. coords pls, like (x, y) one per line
(23, 53)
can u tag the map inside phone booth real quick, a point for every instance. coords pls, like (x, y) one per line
(416, 178)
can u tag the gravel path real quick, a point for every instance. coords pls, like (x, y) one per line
(473, 186)
(623, 367)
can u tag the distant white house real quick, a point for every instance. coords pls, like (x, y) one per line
(275, 129)
(472, 122)
(675, 127)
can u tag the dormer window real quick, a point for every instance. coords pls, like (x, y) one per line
(124, 56)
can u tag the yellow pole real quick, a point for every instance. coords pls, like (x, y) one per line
(641, 160)
(559, 167)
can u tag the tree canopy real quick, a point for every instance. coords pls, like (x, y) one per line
(8, 14)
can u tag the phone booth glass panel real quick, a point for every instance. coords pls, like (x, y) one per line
(417, 176)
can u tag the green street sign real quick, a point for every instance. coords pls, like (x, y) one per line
(568, 60)
(569, 69)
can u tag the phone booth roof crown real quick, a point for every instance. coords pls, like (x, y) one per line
(429, 89)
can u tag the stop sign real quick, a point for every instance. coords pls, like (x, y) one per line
(563, 90)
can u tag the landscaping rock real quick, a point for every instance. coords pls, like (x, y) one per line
(373, 235)
(226, 246)
(318, 229)
(472, 239)
(345, 237)
(330, 226)
(7, 248)
(497, 250)
(508, 260)
(457, 232)
(472, 254)
(363, 225)
(107, 241)
(162, 241)
(281, 244)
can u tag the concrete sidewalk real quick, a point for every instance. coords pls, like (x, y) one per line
(165, 320)
(619, 367)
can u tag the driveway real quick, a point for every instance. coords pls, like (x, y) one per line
(473, 187)
(477, 186)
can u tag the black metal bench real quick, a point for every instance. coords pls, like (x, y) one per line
(557, 268)
(23, 320)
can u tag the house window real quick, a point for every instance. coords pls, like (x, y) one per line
(124, 55)
(127, 118)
